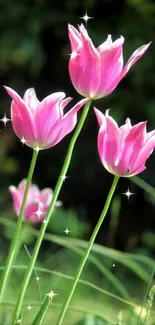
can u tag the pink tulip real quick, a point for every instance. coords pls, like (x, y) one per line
(123, 150)
(96, 72)
(42, 124)
(37, 201)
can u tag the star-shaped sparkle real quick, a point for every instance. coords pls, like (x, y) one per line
(38, 279)
(5, 120)
(63, 177)
(29, 307)
(74, 54)
(128, 193)
(39, 213)
(66, 231)
(51, 294)
(86, 17)
(22, 140)
(37, 148)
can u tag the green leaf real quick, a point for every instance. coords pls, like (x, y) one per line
(42, 311)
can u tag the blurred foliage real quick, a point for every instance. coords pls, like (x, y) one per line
(34, 53)
(96, 300)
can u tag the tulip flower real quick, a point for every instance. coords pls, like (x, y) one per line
(37, 201)
(123, 150)
(42, 124)
(96, 72)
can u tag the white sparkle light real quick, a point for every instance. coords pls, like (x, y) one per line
(74, 54)
(128, 193)
(38, 279)
(39, 213)
(22, 140)
(66, 231)
(5, 120)
(37, 148)
(63, 177)
(86, 17)
(29, 307)
(18, 321)
(51, 294)
(44, 221)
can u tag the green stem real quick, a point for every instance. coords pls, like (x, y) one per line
(86, 254)
(14, 243)
(50, 210)
(146, 187)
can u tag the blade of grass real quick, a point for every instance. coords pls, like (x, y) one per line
(81, 281)
(78, 309)
(142, 184)
(118, 256)
(104, 270)
(36, 274)
(69, 277)
(42, 311)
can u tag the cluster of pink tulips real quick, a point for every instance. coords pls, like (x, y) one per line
(123, 151)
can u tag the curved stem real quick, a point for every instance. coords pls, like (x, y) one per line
(50, 210)
(14, 243)
(90, 244)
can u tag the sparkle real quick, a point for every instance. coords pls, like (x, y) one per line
(37, 148)
(23, 141)
(66, 231)
(86, 17)
(74, 54)
(113, 265)
(38, 279)
(51, 294)
(63, 177)
(39, 213)
(128, 193)
(5, 120)
(18, 321)
(29, 307)
(45, 221)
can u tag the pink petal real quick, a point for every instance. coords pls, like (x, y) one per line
(108, 138)
(144, 153)
(111, 141)
(21, 117)
(84, 69)
(30, 212)
(137, 171)
(134, 57)
(111, 67)
(74, 36)
(31, 100)
(22, 184)
(64, 125)
(34, 190)
(132, 144)
(48, 113)
(100, 116)
(123, 132)
(105, 45)
(17, 199)
(64, 102)
(45, 196)
(32, 193)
